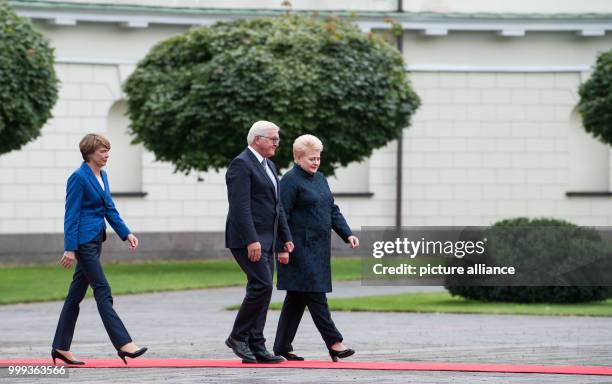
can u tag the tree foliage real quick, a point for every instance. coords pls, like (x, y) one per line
(28, 85)
(193, 97)
(595, 104)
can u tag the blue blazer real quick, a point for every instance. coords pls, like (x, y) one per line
(87, 205)
(255, 211)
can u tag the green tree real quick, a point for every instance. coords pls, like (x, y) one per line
(595, 104)
(193, 97)
(28, 85)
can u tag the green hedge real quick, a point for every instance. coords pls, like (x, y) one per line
(556, 243)
(532, 294)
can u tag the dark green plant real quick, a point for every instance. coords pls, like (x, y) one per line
(193, 97)
(557, 253)
(595, 104)
(28, 85)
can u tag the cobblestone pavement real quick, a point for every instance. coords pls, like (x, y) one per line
(194, 324)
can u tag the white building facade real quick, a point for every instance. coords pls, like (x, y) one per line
(497, 135)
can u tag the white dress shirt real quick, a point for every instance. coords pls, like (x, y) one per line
(264, 162)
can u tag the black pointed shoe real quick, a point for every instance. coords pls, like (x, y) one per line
(335, 355)
(131, 355)
(241, 349)
(55, 354)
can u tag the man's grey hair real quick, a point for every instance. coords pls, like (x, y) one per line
(259, 128)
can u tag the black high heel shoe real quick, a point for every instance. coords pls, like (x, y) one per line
(335, 355)
(131, 355)
(55, 354)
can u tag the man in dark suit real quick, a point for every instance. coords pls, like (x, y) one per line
(254, 221)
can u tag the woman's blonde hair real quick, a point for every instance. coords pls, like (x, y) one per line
(305, 143)
(91, 142)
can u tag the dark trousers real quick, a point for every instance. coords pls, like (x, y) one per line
(291, 315)
(89, 272)
(251, 317)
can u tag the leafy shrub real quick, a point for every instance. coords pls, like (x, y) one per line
(28, 85)
(555, 250)
(193, 97)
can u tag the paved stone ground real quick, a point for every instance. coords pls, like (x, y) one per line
(194, 324)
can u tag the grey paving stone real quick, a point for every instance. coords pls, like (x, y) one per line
(194, 324)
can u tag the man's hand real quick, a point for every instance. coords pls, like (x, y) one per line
(133, 242)
(67, 259)
(254, 250)
(289, 246)
(283, 257)
(353, 241)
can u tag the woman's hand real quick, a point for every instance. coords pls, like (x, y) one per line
(289, 247)
(67, 259)
(283, 257)
(353, 241)
(133, 242)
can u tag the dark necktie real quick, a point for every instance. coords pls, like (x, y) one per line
(264, 163)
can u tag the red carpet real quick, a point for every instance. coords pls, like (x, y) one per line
(314, 364)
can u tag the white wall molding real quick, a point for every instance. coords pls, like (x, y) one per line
(121, 18)
(511, 27)
(430, 24)
(512, 32)
(435, 32)
(592, 32)
(505, 69)
(95, 61)
(62, 21)
(135, 24)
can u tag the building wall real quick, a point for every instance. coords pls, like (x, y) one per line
(488, 146)
(32, 180)
(536, 50)
(497, 136)
(483, 146)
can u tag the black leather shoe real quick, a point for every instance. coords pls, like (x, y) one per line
(131, 355)
(266, 357)
(335, 355)
(290, 356)
(241, 349)
(55, 354)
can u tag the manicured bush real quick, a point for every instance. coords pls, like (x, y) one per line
(28, 85)
(554, 249)
(193, 97)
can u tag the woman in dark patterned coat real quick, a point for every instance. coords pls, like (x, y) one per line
(306, 275)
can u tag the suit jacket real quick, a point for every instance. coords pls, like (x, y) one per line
(87, 205)
(255, 211)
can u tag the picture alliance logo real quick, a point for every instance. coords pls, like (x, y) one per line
(422, 247)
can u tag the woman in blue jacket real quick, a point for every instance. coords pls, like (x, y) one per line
(306, 274)
(88, 203)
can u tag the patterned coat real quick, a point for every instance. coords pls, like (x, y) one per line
(311, 215)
